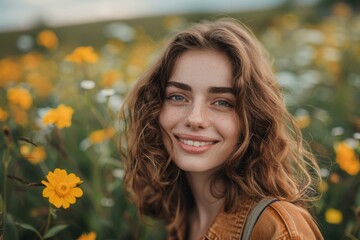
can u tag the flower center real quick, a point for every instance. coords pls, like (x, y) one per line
(62, 189)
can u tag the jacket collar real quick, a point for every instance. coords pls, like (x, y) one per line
(231, 224)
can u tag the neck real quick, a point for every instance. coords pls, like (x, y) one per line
(206, 205)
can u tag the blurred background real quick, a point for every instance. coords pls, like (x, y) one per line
(84, 55)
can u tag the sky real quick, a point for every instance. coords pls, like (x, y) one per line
(26, 14)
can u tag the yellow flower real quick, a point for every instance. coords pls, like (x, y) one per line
(31, 60)
(82, 54)
(101, 135)
(3, 115)
(9, 71)
(110, 78)
(60, 116)
(19, 96)
(61, 188)
(33, 155)
(41, 84)
(346, 158)
(24, 150)
(333, 216)
(90, 236)
(48, 39)
(303, 121)
(323, 186)
(19, 115)
(334, 178)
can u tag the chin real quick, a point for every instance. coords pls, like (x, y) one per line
(192, 167)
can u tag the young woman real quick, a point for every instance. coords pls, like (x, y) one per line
(208, 136)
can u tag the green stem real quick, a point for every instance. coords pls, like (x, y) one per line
(93, 110)
(6, 160)
(96, 174)
(97, 185)
(83, 68)
(350, 236)
(108, 108)
(48, 220)
(44, 168)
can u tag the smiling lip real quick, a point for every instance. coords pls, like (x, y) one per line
(195, 144)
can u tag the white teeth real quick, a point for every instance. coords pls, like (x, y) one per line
(195, 143)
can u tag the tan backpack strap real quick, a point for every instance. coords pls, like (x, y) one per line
(254, 216)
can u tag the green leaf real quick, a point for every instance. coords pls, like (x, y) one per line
(28, 227)
(54, 230)
(9, 229)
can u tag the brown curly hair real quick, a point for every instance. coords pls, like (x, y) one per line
(270, 160)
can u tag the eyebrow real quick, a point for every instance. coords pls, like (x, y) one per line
(186, 87)
(182, 86)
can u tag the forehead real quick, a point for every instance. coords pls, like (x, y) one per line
(208, 66)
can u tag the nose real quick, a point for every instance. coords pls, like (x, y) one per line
(197, 116)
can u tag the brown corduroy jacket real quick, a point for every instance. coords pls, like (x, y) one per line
(280, 221)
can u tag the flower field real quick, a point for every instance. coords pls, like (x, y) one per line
(61, 172)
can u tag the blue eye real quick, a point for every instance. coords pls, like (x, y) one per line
(223, 103)
(177, 98)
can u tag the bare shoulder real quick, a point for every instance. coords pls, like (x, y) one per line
(284, 220)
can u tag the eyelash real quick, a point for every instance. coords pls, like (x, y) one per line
(220, 103)
(227, 104)
(174, 96)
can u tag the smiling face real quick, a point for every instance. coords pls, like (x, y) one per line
(198, 113)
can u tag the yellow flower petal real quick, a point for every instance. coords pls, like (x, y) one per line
(48, 192)
(70, 199)
(46, 184)
(65, 204)
(72, 178)
(90, 236)
(3, 115)
(61, 116)
(60, 173)
(77, 192)
(34, 155)
(82, 54)
(48, 39)
(56, 200)
(10, 71)
(303, 121)
(61, 188)
(347, 159)
(20, 97)
(52, 178)
(50, 117)
(98, 136)
(333, 216)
